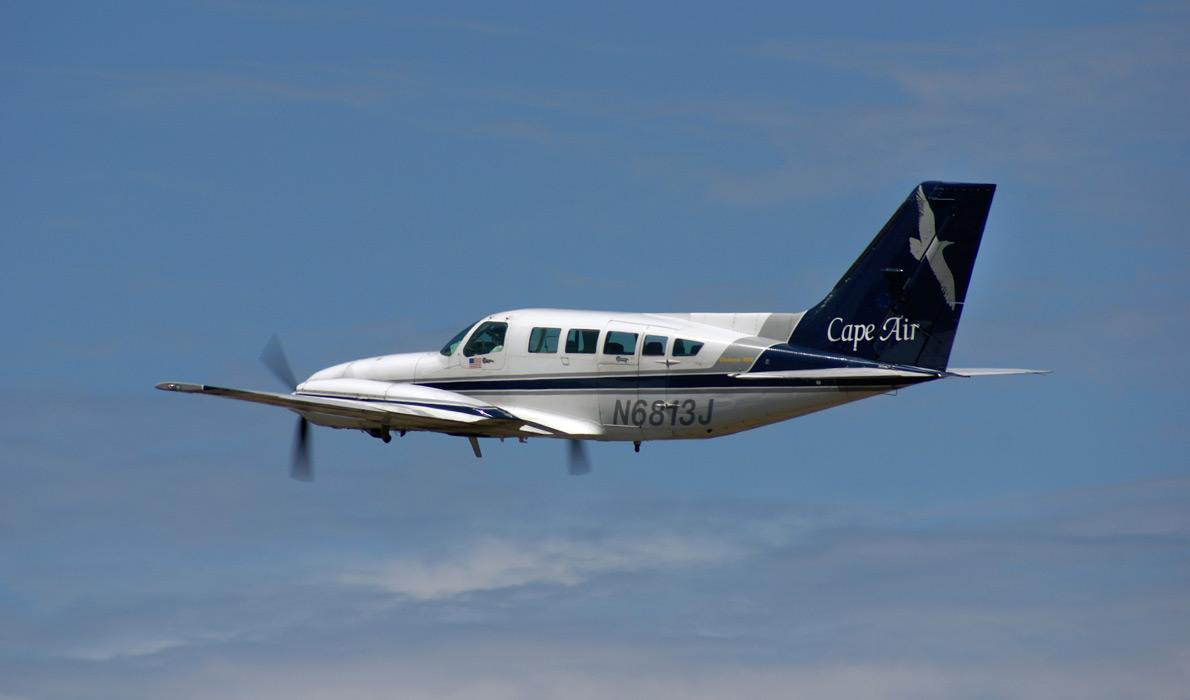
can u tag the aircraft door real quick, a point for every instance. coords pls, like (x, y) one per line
(659, 413)
(619, 352)
(636, 405)
(618, 363)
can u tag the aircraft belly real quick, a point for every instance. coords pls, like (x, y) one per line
(630, 414)
(579, 404)
(694, 414)
(636, 414)
(726, 412)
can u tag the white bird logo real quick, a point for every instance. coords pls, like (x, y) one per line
(929, 246)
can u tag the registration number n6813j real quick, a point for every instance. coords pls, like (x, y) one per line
(658, 413)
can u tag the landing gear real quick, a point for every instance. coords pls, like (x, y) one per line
(636, 445)
(382, 434)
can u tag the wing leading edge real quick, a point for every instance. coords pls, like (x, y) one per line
(394, 406)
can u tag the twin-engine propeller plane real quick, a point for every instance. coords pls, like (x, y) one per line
(633, 377)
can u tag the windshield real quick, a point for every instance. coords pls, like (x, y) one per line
(453, 343)
(488, 338)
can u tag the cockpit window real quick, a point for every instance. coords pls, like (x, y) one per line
(488, 338)
(686, 348)
(453, 343)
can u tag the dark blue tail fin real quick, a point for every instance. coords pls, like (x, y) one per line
(901, 300)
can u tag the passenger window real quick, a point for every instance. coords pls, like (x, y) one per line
(488, 338)
(581, 341)
(619, 343)
(544, 339)
(686, 348)
(654, 346)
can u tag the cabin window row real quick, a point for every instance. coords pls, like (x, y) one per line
(583, 341)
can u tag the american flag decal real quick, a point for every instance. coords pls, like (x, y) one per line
(474, 362)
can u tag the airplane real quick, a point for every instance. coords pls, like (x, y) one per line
(614, 376)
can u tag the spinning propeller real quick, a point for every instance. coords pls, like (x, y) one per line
(300, 468)
(579, 463)
(273, 357)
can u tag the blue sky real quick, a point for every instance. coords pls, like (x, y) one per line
(183, 179)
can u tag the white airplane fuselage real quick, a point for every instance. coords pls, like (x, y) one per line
(638, 380)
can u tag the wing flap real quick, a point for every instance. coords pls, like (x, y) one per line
(558, 424)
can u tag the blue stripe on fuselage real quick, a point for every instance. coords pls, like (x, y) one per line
(645, 382)
(780, 357)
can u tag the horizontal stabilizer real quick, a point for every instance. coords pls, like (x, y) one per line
(992, 371)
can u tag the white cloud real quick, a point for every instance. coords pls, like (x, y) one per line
(541, 672)
(109, 649)
(817, 610)
(494, 564)
(139, 642)
(1050, 107)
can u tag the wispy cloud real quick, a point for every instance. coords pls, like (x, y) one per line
(494, 564)
(518, 670)
(1062, 106)
(833, 606)
(113, 648)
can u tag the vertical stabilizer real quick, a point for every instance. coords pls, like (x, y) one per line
(901, 300)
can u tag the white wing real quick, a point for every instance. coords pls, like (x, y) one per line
(364, 404)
